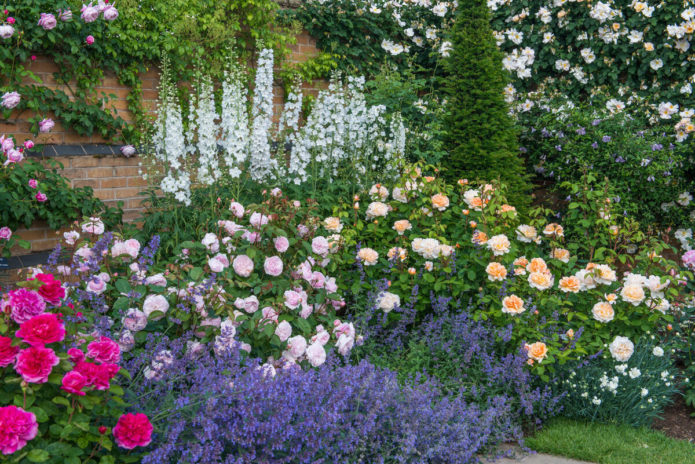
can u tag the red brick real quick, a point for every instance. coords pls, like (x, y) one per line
(104, 194)
(137, 182)
(85, 162)
(114, 182)
(98, 173)
(31, 234)
(77, 183)
(127, 193)
(127, 171)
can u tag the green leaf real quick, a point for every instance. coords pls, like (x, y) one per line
(61, 400)
(196, 273)
(38, 455)
(123, 286)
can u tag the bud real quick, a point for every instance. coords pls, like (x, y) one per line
(411, 271)
(570, 334)
(465, 212)
(102, 429)
(473, 224)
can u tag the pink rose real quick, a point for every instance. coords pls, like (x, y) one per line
(283, 330)
(46, 125)
(89, 40)
(133, 430)
(211, 242)
(110, 13)
(331, 285)
(320, 246)
(33, 183)
(97, 375)
(74, 382)
(51, 289)
(7, 143)
(41, 197)
(157, 280)
(243, 265)
(135, 320)
(216, 265)
(258, 220)
(6, 31)
(96, 285)
(344, 344)
(104, 351)
(689, 259)
(42, 329)
(292, 299)
(47, 21)
(28, 144)
(71, 237)
(18, 427)
(128, 150)
(273, 266)
(317, 280)
(132, 247)
(237, 209)
(316, 354)
(10, 100)
(230, 227)
(296, 346)
(281, 244)
(14, 156)
(8, 353)
(249, 304)
(35, 364)
(251, 237)
(155, 303)
(306, 311)
(302, 230)
(5, 233)
(89, 13)
(269, 314)
(93, 226)
(321, 337)
(25, 304)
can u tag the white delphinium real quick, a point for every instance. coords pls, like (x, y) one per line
(208, 131)
(234, 122)
(262, 165)
(288, 130)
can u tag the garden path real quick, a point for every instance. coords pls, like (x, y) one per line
(523, 458)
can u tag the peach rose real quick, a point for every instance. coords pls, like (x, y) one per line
(603, 312)
(540, 280)
(440, 202)
(512, 304)
(368, 256)
(570, 284)
(499, 244)
(537, 351)
(537, 265)
(333, 224)
(521, 261)
(495, 271)
(401, 226)
(633, 294)
(479, 237)
(560, 254)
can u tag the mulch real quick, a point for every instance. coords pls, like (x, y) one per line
(677, 422)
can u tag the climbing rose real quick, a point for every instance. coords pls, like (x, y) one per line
(5, 233)
(18, 427)
(46, 125)
(89, 13)
(10, 100)
(47, 21)
(133, 430)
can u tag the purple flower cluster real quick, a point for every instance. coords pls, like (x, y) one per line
(216, 409)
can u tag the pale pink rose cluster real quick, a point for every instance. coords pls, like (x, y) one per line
(130, 247)
(218, 263)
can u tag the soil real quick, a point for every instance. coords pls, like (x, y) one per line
(677, 421)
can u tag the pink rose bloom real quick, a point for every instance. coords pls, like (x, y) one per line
(33, 183)
(7, 143)
(249, 304)
(306, 311)
(243, 265)
(110, 13)
(25, 304)
(8, 353)
(258, 220)
(93, 226)
(331, 285)
(222, 258)
(317, 280)
(28, 144)
(133, 430)
(74, 382)
(5, 233)
(319, 245)
(292, 299)
(97, 375)
(155, 303)
(344, 344)
(321, 337)
(211, 242)
(128, 150)
(689, 259)
(251, 237)
(276, 192)
(132, 247)
(65, 15)
(96, 285)
(10, 100)
(269, 314)
(14, 156)
(237, 209)
(89, 40)
(135, 320)
(104, 351)
(46, 125)
(18, 427)
(273, 266)
(71, 237)
(89, 13)
(296, 346)
(230, 227)
(316, 354)
(281, 244)
(283, 330)
(215, 265)
(157, 280)
(41, 197)
(302, 230)
(6, 31)
(42, 329)
(36, 363)
(47, 21)
(76, 355)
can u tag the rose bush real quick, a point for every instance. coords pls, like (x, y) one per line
(259, 282)
(562, 304)
(60, 393)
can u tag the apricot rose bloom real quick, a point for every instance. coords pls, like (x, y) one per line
(540, 280)
(499, 244)
(570, 284)
(537, 351)
(633, 294)
(401, 226)
(603, 312)
(512, 304)
(496, 271)
(440, 202)
(368, 256)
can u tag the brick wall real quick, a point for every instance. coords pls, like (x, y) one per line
(113, 177)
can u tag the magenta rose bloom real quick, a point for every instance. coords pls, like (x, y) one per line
(46, 125)
(89, 39)
(97, 375)
(52, 289)
(76, 355)
(133, 430)
(5, 233)
(8, 353)
(18, 427)
(36, 363)
(104, 351)
(33, 183)
(42, 329)
(41, 197)
(74, 382)
(25, 304)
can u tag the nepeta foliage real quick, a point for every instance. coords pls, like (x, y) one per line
(481, 138)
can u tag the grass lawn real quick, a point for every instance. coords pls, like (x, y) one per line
(610, 444)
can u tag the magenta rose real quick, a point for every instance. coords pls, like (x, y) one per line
(25, 304)
(133, 430)
(74, 382)
(97, 375)
(104, 351)
(42, 329)
(5, 233)
(41, 197)
(51, 289)
(33, 183)
(243, 265)
(8, 353)
(76, 355)
(273, 266)
(18, 427)
(36, 363)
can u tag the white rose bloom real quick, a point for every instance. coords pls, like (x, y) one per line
(388, 301)
(377, 209)
(621, 349)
